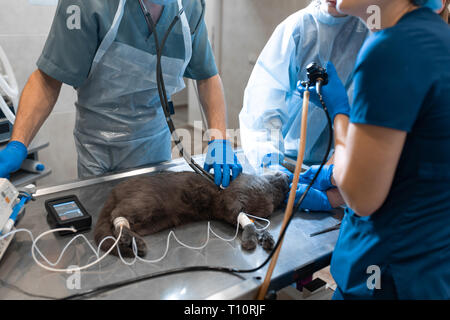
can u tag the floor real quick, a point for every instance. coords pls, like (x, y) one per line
(181, 122)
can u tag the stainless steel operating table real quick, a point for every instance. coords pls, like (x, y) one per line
(300, 256)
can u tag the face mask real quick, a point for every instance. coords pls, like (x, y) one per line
(163, 2)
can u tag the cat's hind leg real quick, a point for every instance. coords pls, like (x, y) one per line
(126, 243)
(249, 237)
(266, 240)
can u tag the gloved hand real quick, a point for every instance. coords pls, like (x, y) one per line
(272, 162)
(222, 159)
(11, 158)
(315, 200)
(323, 181)
(334, 94)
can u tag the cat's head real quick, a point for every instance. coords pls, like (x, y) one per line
(280, 184)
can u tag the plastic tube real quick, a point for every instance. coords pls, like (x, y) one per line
(6, 111)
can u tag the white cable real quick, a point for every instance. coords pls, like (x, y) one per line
(65, 248)
(32, 239)
(120, 224)
(262, 219)
(227, 240)
(77, 269)
(172, 233)
(190, 247)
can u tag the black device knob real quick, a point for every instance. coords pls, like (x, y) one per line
(316, 73)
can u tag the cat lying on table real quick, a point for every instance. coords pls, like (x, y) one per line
(169, 199)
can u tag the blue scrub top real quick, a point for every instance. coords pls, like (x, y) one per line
(402, 81)
(68, 53)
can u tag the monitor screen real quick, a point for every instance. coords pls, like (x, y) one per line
(68, 210)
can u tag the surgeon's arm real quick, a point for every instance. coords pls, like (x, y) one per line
(37, 101)
(366, 158)
(212, 99)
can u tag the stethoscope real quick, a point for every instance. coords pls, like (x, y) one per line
(166, 105)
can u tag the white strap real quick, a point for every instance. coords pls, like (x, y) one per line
(186, 36)
(111, 35)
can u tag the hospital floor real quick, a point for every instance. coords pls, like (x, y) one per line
(181, 122)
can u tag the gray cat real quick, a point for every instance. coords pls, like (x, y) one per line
(170, 199)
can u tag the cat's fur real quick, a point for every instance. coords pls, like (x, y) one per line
(169, 199)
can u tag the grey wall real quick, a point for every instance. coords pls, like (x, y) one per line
(23, 31)
(247, 26)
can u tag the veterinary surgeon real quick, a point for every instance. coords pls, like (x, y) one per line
(110, 59)
(271, 115)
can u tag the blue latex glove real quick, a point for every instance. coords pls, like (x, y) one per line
(323, 181)
(222, 159)
(272, 162)
(334, 94)
(315, 200)
(11, 158)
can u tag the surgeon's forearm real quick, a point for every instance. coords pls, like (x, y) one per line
(37, 101)
(212, 98)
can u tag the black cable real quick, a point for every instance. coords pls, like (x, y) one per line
(117, 285)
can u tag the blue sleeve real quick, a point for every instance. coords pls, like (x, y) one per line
(203, 64)
(69, 52)
(389, 86)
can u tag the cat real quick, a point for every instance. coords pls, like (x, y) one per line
(170, 199)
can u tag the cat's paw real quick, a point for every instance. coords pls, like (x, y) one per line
(126, 244)
(266, 240)
(141, 246)
(249, 238)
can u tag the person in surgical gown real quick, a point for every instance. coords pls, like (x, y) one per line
(271, 115)
(270, 118)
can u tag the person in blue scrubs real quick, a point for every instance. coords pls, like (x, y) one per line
(107, 52)
(392, 156)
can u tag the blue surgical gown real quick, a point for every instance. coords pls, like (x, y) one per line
(271, 115)
(402, 82)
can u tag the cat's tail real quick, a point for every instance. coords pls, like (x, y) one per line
(104, 227)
